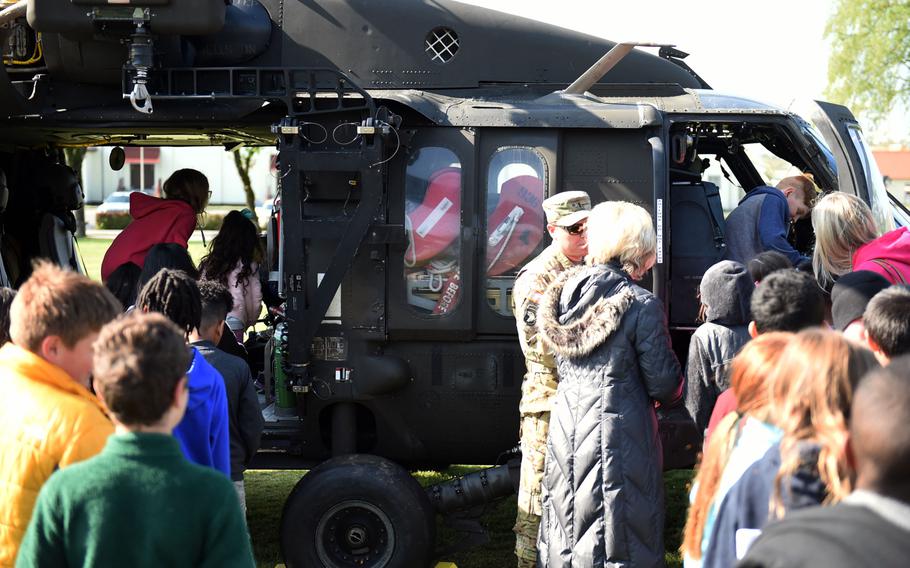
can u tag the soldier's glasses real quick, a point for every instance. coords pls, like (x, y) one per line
(577, 228)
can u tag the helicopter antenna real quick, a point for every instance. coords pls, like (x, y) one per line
(603, 65)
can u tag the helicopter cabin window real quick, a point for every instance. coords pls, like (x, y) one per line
(433, 190)
(516, 186)
(881, 206)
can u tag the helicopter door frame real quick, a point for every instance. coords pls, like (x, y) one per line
(495, 142)
(857, 172)
(446, 314)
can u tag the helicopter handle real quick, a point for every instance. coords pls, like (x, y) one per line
(140, 98)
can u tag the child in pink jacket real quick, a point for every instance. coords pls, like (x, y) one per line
(233, 261)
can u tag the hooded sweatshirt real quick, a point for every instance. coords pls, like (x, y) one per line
(761, 222)
(726, 290)
(204, 432)
(894, 249)
(154, 221)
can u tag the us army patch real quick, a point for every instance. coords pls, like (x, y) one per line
(530, 317)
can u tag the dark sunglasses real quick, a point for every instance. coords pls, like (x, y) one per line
(576, 229)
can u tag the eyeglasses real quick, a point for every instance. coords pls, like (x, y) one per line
(576, 229)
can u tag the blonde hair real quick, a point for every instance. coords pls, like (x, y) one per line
(749, 381)
(805, 184)
(814, 383)
(842, 223)
(623, 232)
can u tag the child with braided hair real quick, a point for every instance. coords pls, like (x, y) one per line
(203, 433)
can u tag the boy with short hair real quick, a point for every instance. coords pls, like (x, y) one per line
(786, 300)
(244, 414)
(139, 502)
(49, 418)
(203, 433)
(762, 219)
(887, 323)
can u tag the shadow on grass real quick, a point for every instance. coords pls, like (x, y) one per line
(266, 492)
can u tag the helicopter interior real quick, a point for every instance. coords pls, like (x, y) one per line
(38, 198)
(702, 156)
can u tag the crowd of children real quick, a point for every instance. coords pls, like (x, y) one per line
(781, 453)
(120, 441)
(126, 430)
(128, 422)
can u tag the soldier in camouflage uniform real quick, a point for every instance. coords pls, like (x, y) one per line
(567, 215)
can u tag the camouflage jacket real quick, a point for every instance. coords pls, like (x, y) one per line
(539, 384)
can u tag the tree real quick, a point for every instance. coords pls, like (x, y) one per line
(869, 66)
(243, 160)
(74, 157)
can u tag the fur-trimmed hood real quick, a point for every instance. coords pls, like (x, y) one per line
(583, 308)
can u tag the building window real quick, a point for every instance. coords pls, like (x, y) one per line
(142, 176)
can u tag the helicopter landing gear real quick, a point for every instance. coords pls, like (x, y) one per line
(358, 511)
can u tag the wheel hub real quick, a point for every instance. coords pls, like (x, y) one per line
(356, 536)
(355, 533)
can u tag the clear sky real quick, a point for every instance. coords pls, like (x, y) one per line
(773, 51)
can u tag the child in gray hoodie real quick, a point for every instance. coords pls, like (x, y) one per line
(725, 291)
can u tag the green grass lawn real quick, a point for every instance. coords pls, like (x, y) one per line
(93, 249)
(267, 490)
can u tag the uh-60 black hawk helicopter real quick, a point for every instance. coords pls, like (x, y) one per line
(416, 140)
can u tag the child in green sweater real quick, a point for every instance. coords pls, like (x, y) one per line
(139, 502)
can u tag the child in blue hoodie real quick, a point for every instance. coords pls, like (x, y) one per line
(762, 219)
(203, 433)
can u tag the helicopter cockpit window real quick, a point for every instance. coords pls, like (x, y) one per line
(433, 223)
(881, 205)
(516, 186)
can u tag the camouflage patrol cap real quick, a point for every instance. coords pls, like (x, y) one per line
(567, 208)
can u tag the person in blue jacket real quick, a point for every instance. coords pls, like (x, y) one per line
(204, 433)
(762, 219)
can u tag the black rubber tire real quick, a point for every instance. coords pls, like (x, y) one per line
(358, 511)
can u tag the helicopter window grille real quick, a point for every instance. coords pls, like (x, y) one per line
(442, 45)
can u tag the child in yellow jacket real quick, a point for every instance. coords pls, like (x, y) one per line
(49, 418)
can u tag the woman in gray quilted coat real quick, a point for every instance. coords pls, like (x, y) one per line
(603, 487)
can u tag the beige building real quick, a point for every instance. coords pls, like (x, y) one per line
(146, 168)
(894, 163)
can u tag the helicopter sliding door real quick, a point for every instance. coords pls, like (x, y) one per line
(619, 165)
(516, 169)
(429, 196)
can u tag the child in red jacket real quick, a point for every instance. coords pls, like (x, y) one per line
(155, 220)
